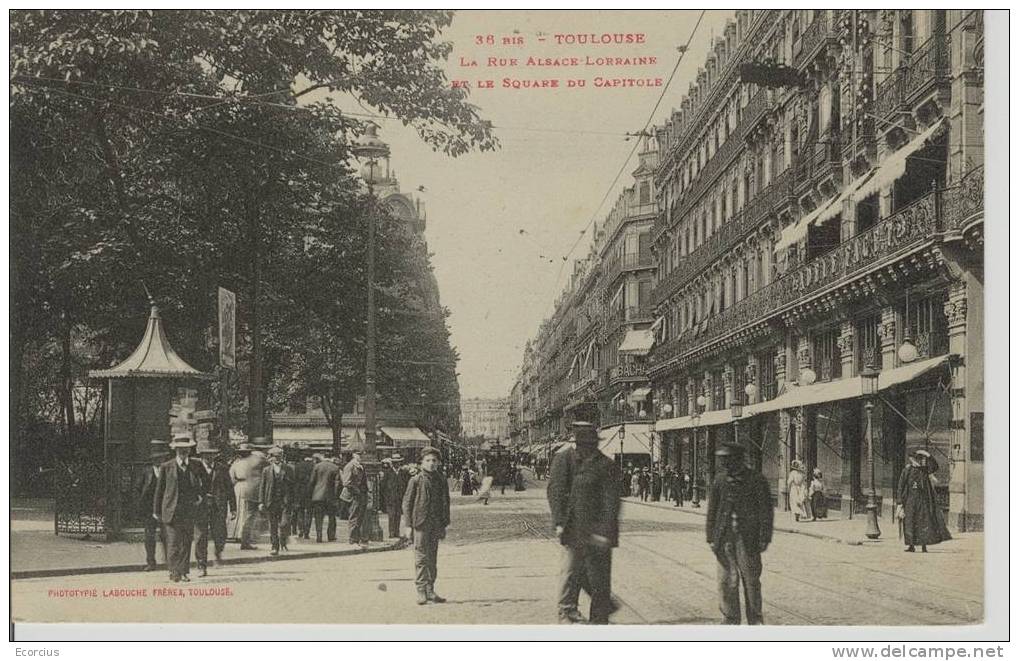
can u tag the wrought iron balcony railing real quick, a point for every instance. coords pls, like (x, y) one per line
(928, 66)
(818, 34)
(910, 225)
(760, 207)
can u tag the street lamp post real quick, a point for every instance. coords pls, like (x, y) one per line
(700, 402)
(737, 413)
(869, 378)
(370, 150)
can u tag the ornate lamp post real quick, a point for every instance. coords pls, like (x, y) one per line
(700, 403)
(869, 379)
(369, 151)
(737, 413)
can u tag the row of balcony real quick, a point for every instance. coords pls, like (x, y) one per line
(819, 161)
(938, 211)
(760, 207)
(628, 262)
(928, 66)
(818, 34)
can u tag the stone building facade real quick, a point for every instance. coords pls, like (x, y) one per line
(821, 212)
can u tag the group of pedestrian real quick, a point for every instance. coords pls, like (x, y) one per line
(807, 500)
(655, 484)
(186, 500)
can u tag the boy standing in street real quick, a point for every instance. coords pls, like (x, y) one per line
(426, 516)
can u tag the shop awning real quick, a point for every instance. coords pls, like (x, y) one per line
(637, 342)
(635, 440)
(406, 436)
(706, 419)
(835, 208)
(831, 391)
(797, 230)
(894, 166)
(909, 372)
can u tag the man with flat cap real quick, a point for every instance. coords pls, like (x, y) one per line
(219, 501)
(583, 494)
(425, 519)
(739, 526)
(145, 489)
(175, 503)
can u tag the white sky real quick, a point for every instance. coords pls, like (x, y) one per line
(498, 283)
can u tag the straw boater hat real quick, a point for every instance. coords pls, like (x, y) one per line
(397, 457)
(244, 447)
(797, 464)
(182, 441)
(205, 447)
(275, 451)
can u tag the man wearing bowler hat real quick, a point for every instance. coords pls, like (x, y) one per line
(739, 525)
(583, 494)
(145, 489)
(219, 501)
(275, 496)
(392, 493)
(176, 502)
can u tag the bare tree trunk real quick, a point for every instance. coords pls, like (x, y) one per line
(256, 388)
(66, 381)
(334, 416)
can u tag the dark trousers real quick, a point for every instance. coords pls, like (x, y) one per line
(179, 535)
(737, 564)
(356, 519)
(211, 521)
(278, 522)
(320, 510)
(301, 519)
(394, 521)
(588, 567)
(426, 556)
(677, 495)
(153, 530)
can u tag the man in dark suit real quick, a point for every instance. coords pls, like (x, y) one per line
(355, 493)
(175, 503)
(583, 494)
(392, 494)
(302, 497)
(145, 489)
(739, 526)
(426, 517)
(275, 496)
(218, 503)
(324, 490)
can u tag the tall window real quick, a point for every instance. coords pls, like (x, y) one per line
(645, 193)
(928, 326)
(767, 384)
(827, 361)
(868, 342)
(717, 389)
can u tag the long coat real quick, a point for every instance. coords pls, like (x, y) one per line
(355, 482)
(178, 493)
(583, 494)
(145, 489)
(418, 509)
(749, 496)
(923, 523)
(325, 478)
(302, 481)
(392, 491)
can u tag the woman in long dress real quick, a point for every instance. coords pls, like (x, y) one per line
(798, 496)
(923, 522)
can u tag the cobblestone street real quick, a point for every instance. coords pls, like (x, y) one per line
(499, 566)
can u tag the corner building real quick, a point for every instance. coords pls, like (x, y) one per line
(820, 210)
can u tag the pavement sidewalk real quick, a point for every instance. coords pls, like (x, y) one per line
(844, 531)
(36, 551)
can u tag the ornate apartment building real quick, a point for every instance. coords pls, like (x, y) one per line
(817, 198)
(820, 189)
(485, 418)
